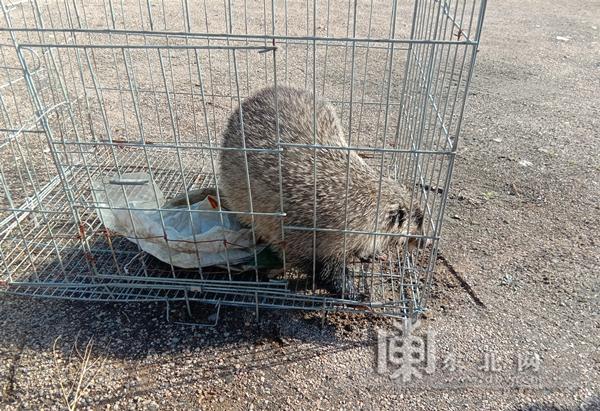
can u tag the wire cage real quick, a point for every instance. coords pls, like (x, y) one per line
(94, 91)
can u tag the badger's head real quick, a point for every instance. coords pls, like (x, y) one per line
(406, 220)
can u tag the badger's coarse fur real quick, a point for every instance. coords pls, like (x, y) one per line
(295, 118)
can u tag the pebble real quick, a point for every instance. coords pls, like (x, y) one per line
(562, 38)
(152, 406)
(525, 163)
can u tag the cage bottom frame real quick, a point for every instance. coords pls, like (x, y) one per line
(85, 270)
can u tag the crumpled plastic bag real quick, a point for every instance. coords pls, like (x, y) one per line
(204, 240)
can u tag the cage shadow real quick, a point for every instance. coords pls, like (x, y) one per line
(137, 336)
(76, 296)
(139, 332)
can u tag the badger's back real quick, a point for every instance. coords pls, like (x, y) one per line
(295, 118)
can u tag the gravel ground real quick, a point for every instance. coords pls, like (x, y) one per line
(520, 231)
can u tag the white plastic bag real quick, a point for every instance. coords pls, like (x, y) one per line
(194, 238)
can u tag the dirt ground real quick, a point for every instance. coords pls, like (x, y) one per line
(521, 230)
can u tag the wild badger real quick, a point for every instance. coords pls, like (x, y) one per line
(298, 189)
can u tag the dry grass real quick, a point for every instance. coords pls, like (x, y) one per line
(77, 371)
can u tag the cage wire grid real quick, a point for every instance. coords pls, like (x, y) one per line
(90, 90)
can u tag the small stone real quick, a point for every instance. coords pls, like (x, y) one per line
(562, 38)
(497, 140)
(525, 163)
(489, 195)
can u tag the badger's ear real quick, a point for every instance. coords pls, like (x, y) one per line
(396, 215)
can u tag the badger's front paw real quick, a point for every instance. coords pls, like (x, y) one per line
(344, 285)
(340, 282)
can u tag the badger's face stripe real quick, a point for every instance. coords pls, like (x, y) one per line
(417, 217)
(396, 218)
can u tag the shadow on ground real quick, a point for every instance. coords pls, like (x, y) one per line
(131, 330)
(138, 338)
(591, 404)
